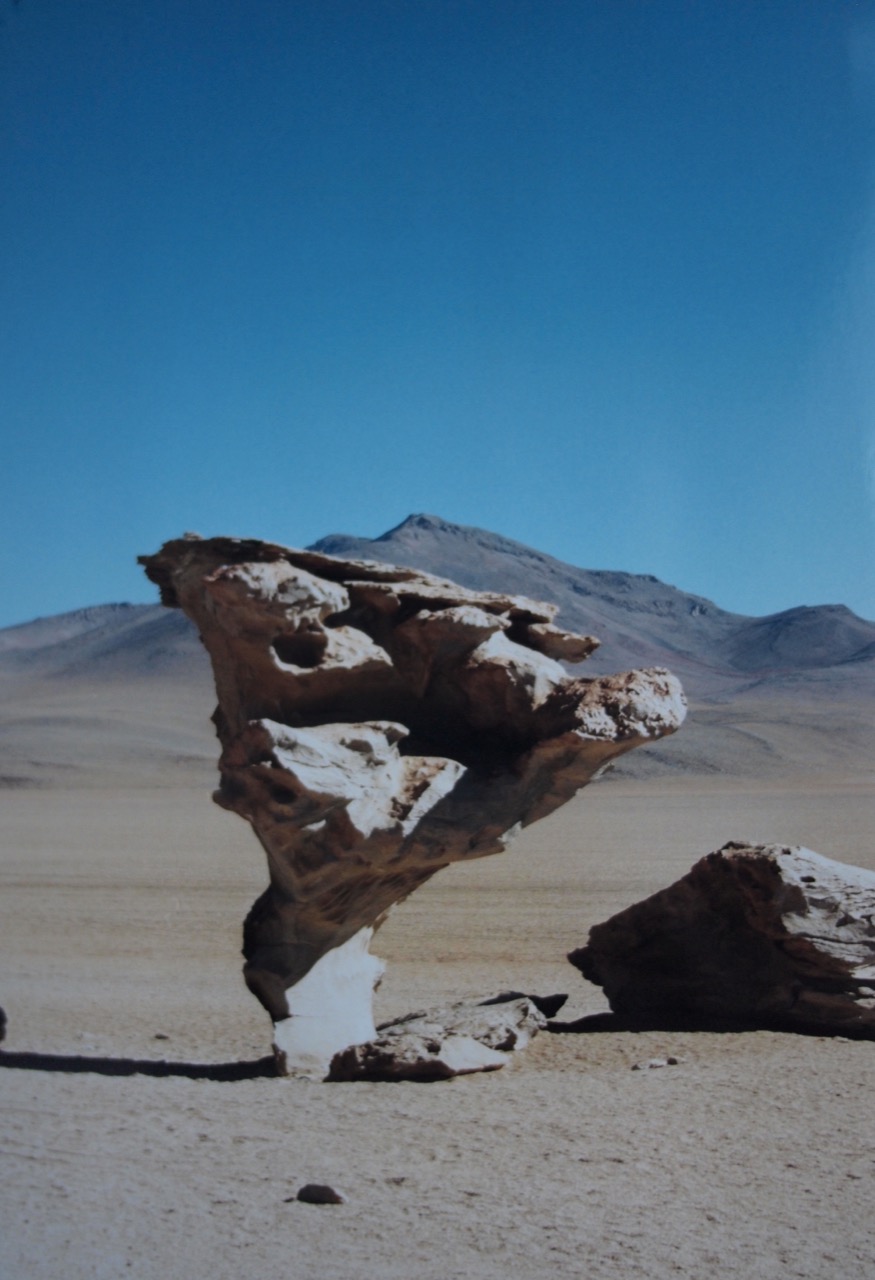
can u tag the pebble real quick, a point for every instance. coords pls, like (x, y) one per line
(653, 1063)
(320, 1193)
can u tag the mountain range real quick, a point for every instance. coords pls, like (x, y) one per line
(764, 692)
(639, 620)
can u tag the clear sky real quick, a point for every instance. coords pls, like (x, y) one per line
(598, 275)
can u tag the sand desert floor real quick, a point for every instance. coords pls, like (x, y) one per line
(121, 908)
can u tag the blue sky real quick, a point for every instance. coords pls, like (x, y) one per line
(597, 275)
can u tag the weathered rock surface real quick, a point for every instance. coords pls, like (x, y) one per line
(465, 1037)
(754, 934)
(376, 725)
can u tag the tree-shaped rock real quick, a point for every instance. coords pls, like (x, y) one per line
(376, 725)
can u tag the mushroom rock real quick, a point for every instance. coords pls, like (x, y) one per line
(377, 724)
(761, 935)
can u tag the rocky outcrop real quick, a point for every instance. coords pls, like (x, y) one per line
(761, 935)
(376, 725)
(465, 1037)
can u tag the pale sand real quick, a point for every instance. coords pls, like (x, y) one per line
(120, 919)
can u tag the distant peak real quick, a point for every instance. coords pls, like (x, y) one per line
(419, 521)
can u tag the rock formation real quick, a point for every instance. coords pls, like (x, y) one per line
(376, 725)
(761, 935)
(466, 1037)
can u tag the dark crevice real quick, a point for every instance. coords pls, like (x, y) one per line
(301, 648)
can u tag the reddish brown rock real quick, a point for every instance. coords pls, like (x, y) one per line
(763, 935)
(377, 724)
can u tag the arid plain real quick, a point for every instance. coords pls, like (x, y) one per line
(123, 893)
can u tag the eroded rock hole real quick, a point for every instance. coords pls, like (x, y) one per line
(301, 648)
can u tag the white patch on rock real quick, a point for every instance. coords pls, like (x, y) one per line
(839, 902)
(330, 1008)
(525, 668)
(645, 704)
(359, 764)
(293, 590)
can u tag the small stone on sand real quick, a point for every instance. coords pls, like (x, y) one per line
(320, 1193)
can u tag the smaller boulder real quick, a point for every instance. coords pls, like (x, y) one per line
(413, 1056)
(463, 1038)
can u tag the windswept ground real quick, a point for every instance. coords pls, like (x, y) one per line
(122, 890)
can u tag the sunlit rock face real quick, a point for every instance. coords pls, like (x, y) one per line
(764, 935)
(377, 724)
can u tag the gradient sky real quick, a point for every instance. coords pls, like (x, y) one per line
(598, 275)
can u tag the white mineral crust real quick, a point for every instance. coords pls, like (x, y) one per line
(330, 1008)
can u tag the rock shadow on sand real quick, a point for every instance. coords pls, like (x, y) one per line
(259, 1068)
